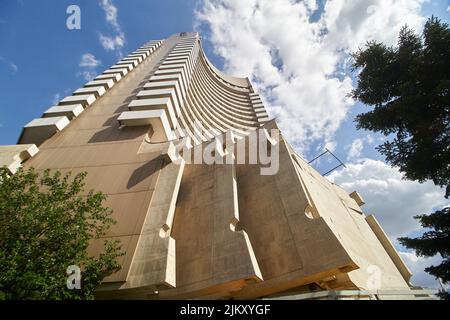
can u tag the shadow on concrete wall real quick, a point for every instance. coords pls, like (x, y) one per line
(146, 170)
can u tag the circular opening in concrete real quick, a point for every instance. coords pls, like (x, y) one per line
(164, 232)
(309, 213)
(235, 225)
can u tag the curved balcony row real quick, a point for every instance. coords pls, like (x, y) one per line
(192, 98)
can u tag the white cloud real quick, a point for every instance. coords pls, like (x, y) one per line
(355, 149)
(56, 98)
(393, 200)
(88, 63)
(88, 60)
(110, 13)
(112, 43)
(417, 266)
(330, 145)
(311, 4)
(299, 62)
(300, 65)
(87, 75)
(14, 68)
(370, 140)
(116, 41)
(352, 23)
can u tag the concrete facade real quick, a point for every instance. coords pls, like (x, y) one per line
(214, 231)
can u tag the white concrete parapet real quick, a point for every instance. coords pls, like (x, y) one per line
(70, 111)
(138, 55)
(13, 156)
(162, 93)
(39, 130)
(123, 72)
(58, 117)
(114, 76)
(140, 52)
(97, 91)
(107, 83)
(128, 66)
(131, 58)
(156, 118)
(155, 104)
(86, 100)
(134, 62)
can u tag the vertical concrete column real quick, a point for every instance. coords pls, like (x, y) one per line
(233, 253)
(154, 259)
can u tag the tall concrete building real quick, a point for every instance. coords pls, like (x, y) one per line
(210, 200)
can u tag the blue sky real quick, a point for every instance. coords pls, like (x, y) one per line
(40, 57)
(34, 38)
(40, 63)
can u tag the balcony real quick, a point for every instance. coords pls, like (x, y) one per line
(114, 76)
(106, 83)
(13, 156)
(134, 63)
(156, 104)
(123, 72)
(86, 100)
(39, 130)
(155, 118)
(128, 66)
(133, 58)
(97, 91)
(70, 111)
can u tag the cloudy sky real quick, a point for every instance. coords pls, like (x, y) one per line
(296, 54)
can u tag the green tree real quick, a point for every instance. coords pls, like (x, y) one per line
(46, 224)
(407, 87)
(433, 242)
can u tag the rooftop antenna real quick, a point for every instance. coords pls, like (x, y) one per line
(341, 164)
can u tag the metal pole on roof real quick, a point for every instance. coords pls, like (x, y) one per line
(322, 154)
(325, 174)
(341, 164)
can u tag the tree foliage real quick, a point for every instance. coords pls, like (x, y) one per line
(408, 89)
(433, 242)
(46, 224)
